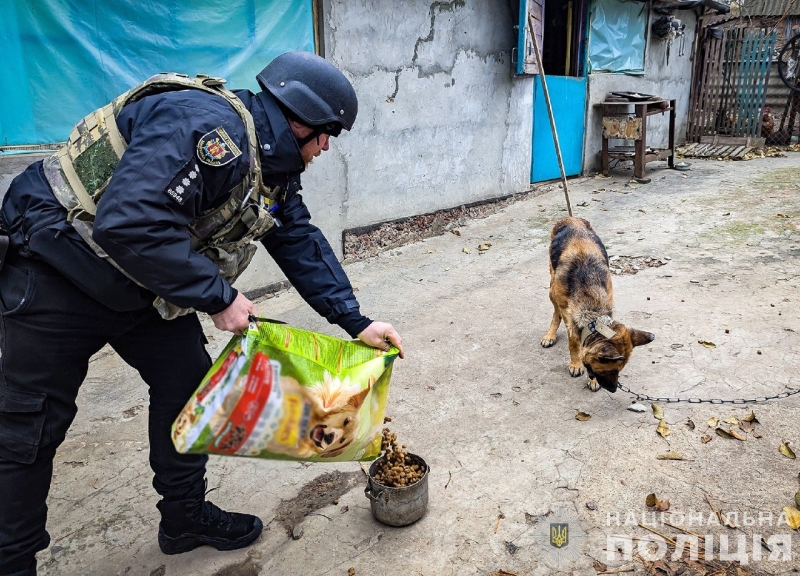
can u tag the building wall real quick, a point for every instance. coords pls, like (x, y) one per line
(442, 121)
(668, 79)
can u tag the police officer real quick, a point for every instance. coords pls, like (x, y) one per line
(143, 218)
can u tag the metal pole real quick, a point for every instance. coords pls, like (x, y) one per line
(550, 112)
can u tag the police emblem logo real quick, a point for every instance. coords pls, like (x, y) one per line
(216, 148)
(559, 534)
(561, 538)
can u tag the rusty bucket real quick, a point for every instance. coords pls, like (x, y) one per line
(398, 506)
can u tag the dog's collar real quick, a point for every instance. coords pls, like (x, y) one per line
(601, 325)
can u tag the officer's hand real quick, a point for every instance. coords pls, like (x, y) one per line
(378, 334)
(235, 318)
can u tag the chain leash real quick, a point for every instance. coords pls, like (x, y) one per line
(710, 400)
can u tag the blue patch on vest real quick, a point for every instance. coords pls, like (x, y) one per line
(185, 182)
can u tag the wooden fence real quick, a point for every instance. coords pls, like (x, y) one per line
(730, 82)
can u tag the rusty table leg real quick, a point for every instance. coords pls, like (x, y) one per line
(671, 159)
(641, 144)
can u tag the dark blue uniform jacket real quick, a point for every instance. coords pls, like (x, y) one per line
(160, 186)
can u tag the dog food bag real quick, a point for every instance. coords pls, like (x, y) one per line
(286, 393)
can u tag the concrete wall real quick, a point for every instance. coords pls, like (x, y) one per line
(441, 122)
(668, 79)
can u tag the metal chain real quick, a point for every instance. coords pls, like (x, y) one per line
(710, 400)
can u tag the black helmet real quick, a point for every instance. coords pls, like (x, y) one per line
(313, 90)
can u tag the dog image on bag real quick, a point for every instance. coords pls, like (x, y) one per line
(333, 421)
(582, 297)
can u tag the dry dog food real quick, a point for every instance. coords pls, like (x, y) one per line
(395, 469)
(285, 393)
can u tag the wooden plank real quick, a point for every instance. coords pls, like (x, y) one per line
(766, 66)
(738, 150)
(733, 140)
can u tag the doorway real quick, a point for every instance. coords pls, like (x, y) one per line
(564, 34)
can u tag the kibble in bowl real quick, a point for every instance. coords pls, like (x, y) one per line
(396, 468)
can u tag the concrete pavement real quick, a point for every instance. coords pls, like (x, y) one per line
(493, 413)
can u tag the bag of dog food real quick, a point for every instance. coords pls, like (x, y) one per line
(285, 393)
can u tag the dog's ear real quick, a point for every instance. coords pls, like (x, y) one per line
(357, 400)
(639, 337)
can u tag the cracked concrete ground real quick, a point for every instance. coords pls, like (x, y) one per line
(493, 413)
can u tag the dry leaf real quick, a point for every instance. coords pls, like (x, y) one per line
(707, 344)
(786, 451)
(747, 426)
(731, 420)
(658, 411)
(484, 247)
(465, 250)
(582, 416)
(737, 435)
(751, 418)
(725, 520)
(671, 455)
(583, 203)
(792, 517)
(797, 499)
(705, 439)
(712, 422)
(456, 232)
(690, 424)
(756, 434)
(599, 566)
(663, 429)
(653, 502)
(723, 433)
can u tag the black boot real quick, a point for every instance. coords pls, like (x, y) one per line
(187, 524)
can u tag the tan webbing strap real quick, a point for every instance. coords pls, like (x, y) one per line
(114, 137)
(78, 188)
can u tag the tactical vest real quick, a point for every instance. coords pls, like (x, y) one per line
(80, 172)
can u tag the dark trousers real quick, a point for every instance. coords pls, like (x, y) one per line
(48, 331)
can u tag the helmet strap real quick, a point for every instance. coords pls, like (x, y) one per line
(315, 133)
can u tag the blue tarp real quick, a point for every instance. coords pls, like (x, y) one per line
(63, 59)
(617, 36)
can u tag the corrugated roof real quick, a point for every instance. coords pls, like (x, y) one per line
(771, 7)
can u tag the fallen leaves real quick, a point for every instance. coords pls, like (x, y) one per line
(484, 247)
(465, 250)
(723, 519)
(652, 501)
(706, 438)
(583, 416)
(792, 517)
(662, 427)
(712, 422)
(671, 455)
(707, 343)
(658, 411)
(729, 434)
(786, 451)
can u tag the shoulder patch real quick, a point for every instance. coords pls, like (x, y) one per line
(216, 148)
(184, 183)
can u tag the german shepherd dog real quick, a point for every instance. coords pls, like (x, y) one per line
(582, 296)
